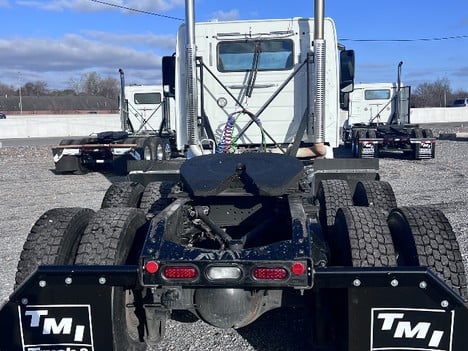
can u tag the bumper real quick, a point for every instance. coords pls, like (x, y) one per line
(386, 309)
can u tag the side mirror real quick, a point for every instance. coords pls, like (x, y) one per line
(347, 71)
(168, 75)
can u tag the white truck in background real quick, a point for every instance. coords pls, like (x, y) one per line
(145, 116)
(378, 121)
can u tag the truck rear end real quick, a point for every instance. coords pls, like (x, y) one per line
(243, 226)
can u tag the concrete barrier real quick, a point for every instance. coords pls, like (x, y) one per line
(36, 126)
(439, 115)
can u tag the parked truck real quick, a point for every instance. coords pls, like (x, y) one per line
(378, 121)
(258, 217)
(145, 133)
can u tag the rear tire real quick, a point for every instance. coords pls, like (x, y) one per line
(424, 237)
(362, 238)
(155, 197)
(53, 240)
(124, 194)
(331, 195)
(114, 237)
(375, 193)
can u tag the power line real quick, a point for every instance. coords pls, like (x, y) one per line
(455, 37)
(135, 10)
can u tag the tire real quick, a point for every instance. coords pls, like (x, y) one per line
(114, 237)
(124, 194)
(331, 195)
(362, 238)
(427, 133)
(53, 240)
(375, 193)
(416, 133)
(424, 237)
(155, 197)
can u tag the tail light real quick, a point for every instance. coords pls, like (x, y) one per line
(270, 273)
(180, 272)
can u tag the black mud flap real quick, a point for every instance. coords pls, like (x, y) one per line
(395, 309)
(69, 163)
(63, 308)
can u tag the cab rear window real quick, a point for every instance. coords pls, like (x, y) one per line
(377, 94)
(262, 55)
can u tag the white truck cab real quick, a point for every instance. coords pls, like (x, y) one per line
(255, 83)
(371, 103)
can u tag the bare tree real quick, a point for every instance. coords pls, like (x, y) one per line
(7, 90)
(109, 87)
(436, 94)
(38, 88)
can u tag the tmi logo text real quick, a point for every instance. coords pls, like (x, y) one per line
(411, 329)
(46, 326)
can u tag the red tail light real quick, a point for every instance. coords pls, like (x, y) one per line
(180, 272)
(151, 267)
(270, 273)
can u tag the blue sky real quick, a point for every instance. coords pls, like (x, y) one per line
(57, 41)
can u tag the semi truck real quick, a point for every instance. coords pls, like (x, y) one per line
(145, 133)
(378, 122)
(256, 217)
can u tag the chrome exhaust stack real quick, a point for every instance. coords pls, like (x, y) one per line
(317, 120)
(191, 80)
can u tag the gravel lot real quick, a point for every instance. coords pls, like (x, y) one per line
(28, 188)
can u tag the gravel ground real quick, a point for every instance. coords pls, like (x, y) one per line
(28, 188)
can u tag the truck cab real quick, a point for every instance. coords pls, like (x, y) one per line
(255, 83)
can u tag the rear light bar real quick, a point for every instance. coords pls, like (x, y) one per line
(228, 272)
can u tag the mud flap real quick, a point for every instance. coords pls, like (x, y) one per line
(63, 308)
(395, 309)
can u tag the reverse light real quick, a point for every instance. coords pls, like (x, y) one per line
(180, 272)
(151, 267)
(270, 273)
(223, 273)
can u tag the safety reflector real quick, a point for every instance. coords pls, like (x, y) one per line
(270, 273)
(151, 267)
(223, 273)
(297, 268)
(180, 272)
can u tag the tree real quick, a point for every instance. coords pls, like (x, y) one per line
(91, 82)
(7, 90)
(436, 94)
(109, 87)
(38, 88)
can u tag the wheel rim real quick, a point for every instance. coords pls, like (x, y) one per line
(147, 153)
(159, 152)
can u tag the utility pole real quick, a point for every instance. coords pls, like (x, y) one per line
(20, 97)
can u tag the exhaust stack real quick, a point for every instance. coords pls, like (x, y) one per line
(191, 77)
(124, 120)
(318, 99)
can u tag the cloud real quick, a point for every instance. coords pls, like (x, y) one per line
(226, 15)
(166, 42)
(90, 5)
(56, 61)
